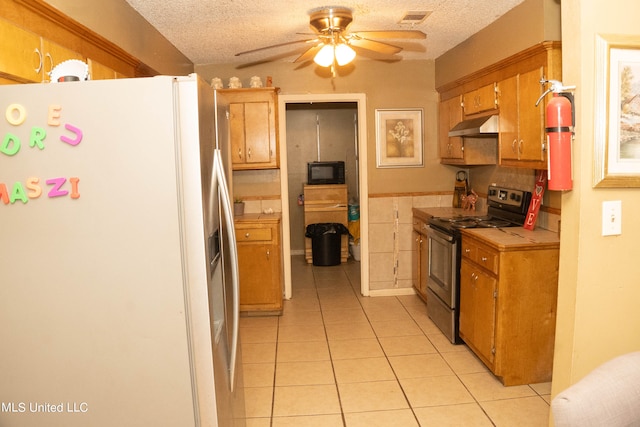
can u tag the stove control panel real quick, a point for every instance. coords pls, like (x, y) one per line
(508, 197)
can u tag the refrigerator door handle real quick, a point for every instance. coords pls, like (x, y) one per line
(218, 169)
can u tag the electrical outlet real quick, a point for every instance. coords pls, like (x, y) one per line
(612, 218)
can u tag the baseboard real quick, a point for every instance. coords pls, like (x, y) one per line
(391, 292)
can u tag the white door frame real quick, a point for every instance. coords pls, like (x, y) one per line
(361, 100)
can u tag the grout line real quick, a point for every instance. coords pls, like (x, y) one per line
(404, 303)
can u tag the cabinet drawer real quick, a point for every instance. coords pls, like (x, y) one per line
(419, 226)
(481, 254)
(253, 234)
(325, 195)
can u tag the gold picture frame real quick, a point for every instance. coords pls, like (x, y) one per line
(617, 112)
(399, 138)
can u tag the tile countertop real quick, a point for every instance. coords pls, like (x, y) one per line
(509, 238)
(426, 213)
(515, 238)
(257, 217)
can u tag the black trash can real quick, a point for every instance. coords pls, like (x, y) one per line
(326, 240)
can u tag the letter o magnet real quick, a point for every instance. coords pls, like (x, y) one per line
(12, 117)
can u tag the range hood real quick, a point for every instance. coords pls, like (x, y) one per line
(479, 126)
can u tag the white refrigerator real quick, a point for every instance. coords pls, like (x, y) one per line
(118, 264)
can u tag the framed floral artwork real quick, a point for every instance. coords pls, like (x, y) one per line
(399, 138)
(617, 111)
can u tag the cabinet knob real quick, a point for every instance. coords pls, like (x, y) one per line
(268, 253)
(239, 153)
(249, 153)
(467, 250)
(484, 259)
(246, 235)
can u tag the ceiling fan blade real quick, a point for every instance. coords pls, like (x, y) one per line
(376, 46)
(277, 45)
(308, 54)
(393, 34)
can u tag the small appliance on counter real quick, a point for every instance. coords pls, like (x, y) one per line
(461, 189)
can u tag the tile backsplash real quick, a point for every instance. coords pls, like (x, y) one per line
(390, 236)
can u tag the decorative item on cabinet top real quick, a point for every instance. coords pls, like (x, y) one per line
(69, 70)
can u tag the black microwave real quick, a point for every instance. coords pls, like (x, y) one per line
(325, 173)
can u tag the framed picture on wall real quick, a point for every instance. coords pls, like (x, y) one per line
(399, 138)
(617, 112)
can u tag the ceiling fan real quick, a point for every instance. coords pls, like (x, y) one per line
(332, 43)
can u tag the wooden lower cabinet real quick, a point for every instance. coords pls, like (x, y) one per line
(259, 264)
(420, 252)
(508, 301)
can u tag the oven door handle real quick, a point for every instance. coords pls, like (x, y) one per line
(439, 235)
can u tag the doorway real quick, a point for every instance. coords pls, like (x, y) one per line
(290, 192)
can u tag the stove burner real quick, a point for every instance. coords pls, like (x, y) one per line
(494, 223)
(467, 223)
(459, 222)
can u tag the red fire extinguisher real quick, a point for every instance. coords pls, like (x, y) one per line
(559, 128)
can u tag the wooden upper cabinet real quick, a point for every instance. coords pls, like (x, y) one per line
(253, 128)
(457, 150)
(21, 57)
(450, 115)
(509, 88)
(27, 57)
(35, 37)
(521, 135)
(480, 100)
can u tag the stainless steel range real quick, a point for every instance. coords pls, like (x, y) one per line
(506, 207)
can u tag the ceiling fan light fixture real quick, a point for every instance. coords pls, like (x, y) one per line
(344, 54)
(324, 57)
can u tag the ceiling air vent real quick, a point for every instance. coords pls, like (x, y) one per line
(415, 17)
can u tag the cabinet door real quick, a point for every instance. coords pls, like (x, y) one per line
(257, 132)
(467, 302)
(531, 118)
(21, 53)
(257, 275)
(416, 240)
(251, 126)
(479, 100)
(521, 135)
(236, 131)
(508, 136)
(424, 261)
(98, 71)
(450, 115)
(420, 262)
(478, 309)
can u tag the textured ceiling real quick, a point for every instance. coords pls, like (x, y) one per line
(213, 31)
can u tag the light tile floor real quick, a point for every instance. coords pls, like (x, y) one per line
(335, 358)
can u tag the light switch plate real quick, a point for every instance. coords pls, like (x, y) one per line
(612, 218)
